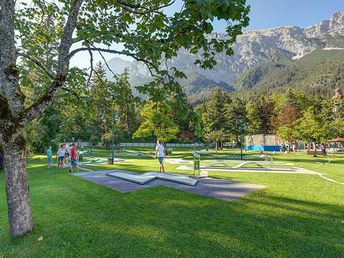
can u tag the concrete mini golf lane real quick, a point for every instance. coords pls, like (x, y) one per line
(216, 188)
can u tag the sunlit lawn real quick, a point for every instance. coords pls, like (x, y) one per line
(293, 216)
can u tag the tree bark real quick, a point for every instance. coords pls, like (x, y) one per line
(13, 117)
(17, 191)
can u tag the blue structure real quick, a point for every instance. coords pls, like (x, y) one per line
(263, 142)
(262, 147)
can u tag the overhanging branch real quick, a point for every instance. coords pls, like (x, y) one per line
(37, 63)
(149, 64)
(106, 63)
(62, 69)
(92, 69)
(133, 8)
(72, 92)
(42, 103)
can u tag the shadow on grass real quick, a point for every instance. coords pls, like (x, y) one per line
(79, 218)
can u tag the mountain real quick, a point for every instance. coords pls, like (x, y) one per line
(316, 74)
(264, 48)
(333, 27)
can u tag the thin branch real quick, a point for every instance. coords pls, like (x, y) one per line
(62, 69)
(149, 64)
(71, 91)
(130, 7)
(67, 37)
(106, 63)
(37, 63)
(91, 72)
(42, 103)
(77, 50)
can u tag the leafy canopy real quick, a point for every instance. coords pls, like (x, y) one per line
(157, 122)
(142, 30)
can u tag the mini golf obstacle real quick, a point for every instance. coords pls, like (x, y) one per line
(132, 177)
(98, 161)
(248, 163)
(225, 162)
(134, 154)
(222, 165)
(150, 176)
(237, 157)
(294, 170)
(242, 169)
(177, 161)
(242, 166)
(211, 187)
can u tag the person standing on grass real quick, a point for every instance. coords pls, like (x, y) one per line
(61, 156)
(160, 155)
(49, 156)
(67, 153)
(73, 158)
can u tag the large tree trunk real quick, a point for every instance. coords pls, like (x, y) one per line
(18, 198)
(14, 116)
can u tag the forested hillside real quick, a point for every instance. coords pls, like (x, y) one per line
(315, 74)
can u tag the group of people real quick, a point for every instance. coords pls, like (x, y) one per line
(63, 154)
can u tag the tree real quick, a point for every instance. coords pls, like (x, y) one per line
(101, 102)
(158, 122)
(215, 136)
(337, 113)
(235, 114)
(145, 31)
(286, 121)
(182, 112)
(214, 116)
(254, 123)
(312, 128)
(266, 115)
(125, 104)
(260, 116)
(197, 124)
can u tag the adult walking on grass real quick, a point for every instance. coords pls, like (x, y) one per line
(160, 155)
(73, 157)
(61, 156)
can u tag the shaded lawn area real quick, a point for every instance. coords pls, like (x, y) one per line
(294, 216)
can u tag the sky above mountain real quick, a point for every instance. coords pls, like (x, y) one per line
(264, 14)
(302, 13)
(275, 13)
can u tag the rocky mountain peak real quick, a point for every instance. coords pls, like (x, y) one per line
(334, 26)
(252, 48)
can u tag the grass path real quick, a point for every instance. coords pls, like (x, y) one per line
(294, 216)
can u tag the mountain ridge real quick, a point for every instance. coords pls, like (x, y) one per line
(252, 48)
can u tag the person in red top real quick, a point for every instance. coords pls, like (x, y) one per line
(73, 156)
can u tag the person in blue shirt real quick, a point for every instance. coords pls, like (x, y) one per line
(49, 156)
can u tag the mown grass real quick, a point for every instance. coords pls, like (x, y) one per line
(293, 216)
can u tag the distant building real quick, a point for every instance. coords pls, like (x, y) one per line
(263, 142)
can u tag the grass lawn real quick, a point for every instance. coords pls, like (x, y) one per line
(293, 216)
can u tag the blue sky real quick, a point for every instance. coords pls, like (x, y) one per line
(266, 14)
(275, 13)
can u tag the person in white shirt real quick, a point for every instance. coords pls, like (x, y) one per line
(160, 155)
(61, 156)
